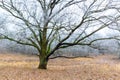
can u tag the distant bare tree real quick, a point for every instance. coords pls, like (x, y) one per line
(51, 25)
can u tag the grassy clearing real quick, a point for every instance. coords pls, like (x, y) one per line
(23, 67)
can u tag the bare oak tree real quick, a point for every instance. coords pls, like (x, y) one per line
(50, 25)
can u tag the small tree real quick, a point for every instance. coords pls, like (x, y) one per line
(55, 24)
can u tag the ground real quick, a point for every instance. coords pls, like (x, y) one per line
(24, 67)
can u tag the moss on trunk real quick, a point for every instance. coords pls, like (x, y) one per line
(43, 63)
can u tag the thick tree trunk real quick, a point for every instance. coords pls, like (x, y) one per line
(43, 63)
(43, 53)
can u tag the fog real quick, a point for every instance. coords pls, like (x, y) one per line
(11, 26)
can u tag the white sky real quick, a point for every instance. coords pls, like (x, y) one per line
(102, 32)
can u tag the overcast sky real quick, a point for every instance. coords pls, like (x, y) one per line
(103, 32)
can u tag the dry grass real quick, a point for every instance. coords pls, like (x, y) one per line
(23, 67)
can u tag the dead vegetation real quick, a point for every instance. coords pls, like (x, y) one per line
(23, 67)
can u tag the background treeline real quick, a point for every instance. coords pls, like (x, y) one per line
(100, 47)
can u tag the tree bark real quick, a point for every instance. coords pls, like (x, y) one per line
(43, 63)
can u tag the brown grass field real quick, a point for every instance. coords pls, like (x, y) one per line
(24, 67)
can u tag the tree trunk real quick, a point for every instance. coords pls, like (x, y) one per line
(43, 63)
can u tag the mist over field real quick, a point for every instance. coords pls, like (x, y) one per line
(59, 39)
